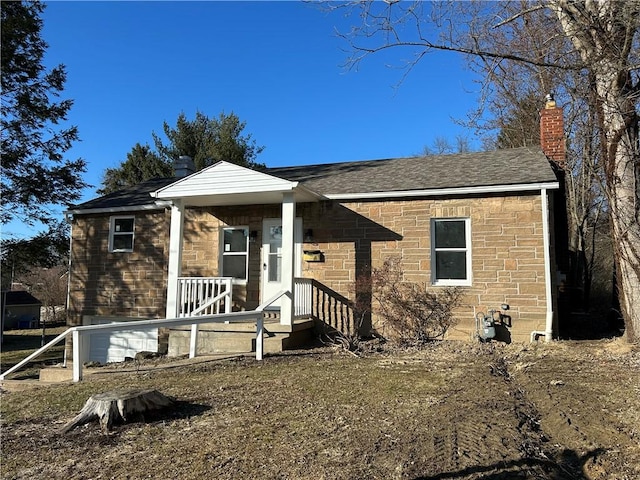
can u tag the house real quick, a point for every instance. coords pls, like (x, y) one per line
(162, 248)
(20, 309)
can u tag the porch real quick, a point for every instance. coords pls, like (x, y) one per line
(273, 262)
(316, 308)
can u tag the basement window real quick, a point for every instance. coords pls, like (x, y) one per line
(235, 253)
(450, 251)
(121, 232)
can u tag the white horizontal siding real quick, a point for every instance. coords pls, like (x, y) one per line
(223, 179)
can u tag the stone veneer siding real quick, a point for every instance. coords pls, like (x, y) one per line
(131, 284)
(507, 254)
(507, 249)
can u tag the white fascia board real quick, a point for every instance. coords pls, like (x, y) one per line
(250, 190)
(159, 205)
(446, 191)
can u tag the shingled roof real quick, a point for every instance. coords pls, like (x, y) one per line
(20, 297)
(517, 166)
(500, 167)
(135, 196)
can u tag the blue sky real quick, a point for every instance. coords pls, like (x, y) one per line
(277, 65)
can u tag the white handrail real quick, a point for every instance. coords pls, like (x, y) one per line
(212, 301)
(193, 341)
(264, 305)
(260, 323)
(192, 291)
(77, 332)
(35, 354)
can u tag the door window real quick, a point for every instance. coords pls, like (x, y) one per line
(275, 253)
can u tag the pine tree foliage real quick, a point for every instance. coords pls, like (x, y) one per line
(141, 164)
(206, 140)
(209, 140)
(35, 174)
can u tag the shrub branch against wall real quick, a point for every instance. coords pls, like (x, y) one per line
(413, 313)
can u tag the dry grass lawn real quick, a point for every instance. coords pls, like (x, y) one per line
(568, 410)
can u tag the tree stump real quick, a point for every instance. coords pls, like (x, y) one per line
(118, 406)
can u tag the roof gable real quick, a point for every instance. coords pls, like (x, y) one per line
(224, 178)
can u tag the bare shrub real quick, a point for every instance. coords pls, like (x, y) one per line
(349, 341)
(350, 337)
(415, 314)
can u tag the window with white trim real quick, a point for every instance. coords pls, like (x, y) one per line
(450, 251)
(121, 233)
(234, 260)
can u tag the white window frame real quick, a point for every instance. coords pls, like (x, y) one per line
(465, 282)
(237, 281)
(113, 233)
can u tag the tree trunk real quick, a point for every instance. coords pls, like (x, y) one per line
(118, 406)
(626, 236)
(601, 32)
(620, 124)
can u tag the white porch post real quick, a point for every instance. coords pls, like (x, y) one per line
(175, 257)
(288, 254)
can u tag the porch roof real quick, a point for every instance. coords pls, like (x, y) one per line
(228, 184)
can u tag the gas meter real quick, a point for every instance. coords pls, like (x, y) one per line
(486, 323)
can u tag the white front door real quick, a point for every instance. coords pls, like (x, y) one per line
(272, 256)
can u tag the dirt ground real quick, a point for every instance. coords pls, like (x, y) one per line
(565, 410)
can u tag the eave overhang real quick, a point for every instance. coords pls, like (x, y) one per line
(440, 192)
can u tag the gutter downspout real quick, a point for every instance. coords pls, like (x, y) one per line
(548, 332)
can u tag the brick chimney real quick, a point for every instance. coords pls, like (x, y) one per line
(552, 138)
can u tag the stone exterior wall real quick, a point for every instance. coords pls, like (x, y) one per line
(507, 251)
(507, 254)
(201, 249)
(131, 284)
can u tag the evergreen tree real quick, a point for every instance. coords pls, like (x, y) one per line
(141, 164)
(34, 173)
(209, 140)
(205, 140)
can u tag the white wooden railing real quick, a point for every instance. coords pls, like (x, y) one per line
(318, 302)
(204, 296)
(303, 294)
(80, 335)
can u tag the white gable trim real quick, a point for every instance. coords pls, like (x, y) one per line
(224, 178)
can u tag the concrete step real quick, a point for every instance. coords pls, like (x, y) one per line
(57, 374)
(240, 338)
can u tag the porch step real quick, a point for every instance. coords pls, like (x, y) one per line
(240, 338)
